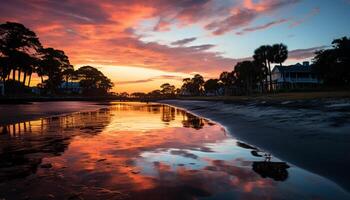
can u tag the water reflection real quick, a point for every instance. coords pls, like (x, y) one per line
(25, 144)
(141, 151)
(267, 168)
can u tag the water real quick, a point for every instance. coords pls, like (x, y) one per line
(144, 151)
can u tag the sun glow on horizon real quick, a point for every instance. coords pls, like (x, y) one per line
(138, 79)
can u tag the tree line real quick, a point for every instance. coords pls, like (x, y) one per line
(332, 66)
(21, 53)
(247, 76)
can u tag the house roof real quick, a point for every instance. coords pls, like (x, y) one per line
(294, 68)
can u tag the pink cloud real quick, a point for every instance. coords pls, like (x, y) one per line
(300, 54)
(261, 27)
(102, 32)
(243, 16)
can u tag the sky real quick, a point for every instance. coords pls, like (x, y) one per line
(140, 44)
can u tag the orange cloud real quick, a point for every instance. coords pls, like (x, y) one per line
(103, 32)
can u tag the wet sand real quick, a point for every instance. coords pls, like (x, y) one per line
(137, 150)
(314, 137)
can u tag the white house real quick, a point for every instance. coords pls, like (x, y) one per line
(298, 75)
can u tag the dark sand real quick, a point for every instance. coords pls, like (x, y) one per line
(315, 137)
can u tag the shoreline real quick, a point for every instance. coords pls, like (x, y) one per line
(318, 148)
(28, 100)
(291, 136)
(17, 113)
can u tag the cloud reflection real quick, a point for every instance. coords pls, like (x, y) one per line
(129, 150)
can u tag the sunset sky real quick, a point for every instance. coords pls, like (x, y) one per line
(141, 44)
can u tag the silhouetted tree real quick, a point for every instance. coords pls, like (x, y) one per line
(332, 65)
(138, 94)
(69, 74)
(193, 86)
(93, 81)
(124, 95)
(263, 57)
(19, 47)
(248, 74)
(155, 94)
(198, 82)
(280, 53)
(53, 64)
(186, 86)
(212, 86)
(227, 79)
(167, 89)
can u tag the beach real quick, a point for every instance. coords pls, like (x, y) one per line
(313, 135)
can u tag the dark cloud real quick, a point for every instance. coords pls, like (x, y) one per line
(262, 27)
(134, 81)
(202, 47)
(240, 18)
(184, 41)
(171, 77)
(299, 54)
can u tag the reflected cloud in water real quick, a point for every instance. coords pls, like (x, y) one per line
(137, 150)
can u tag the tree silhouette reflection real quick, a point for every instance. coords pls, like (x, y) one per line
(275, 170)
(23, 145)
(267, 169)
(191, 121)
(169, 113)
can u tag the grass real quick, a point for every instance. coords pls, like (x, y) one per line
(278, 96)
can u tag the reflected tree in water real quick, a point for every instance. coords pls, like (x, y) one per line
(191, 121)
(168, 113)
(24, 145)
(267, 168)
(275, 170)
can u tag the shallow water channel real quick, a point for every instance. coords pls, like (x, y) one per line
(144, 151)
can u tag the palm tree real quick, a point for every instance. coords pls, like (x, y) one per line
(280, 53)
(264, 56)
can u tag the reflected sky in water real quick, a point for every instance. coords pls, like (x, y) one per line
(144, 151)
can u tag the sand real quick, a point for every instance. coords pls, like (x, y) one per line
(315, 138)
